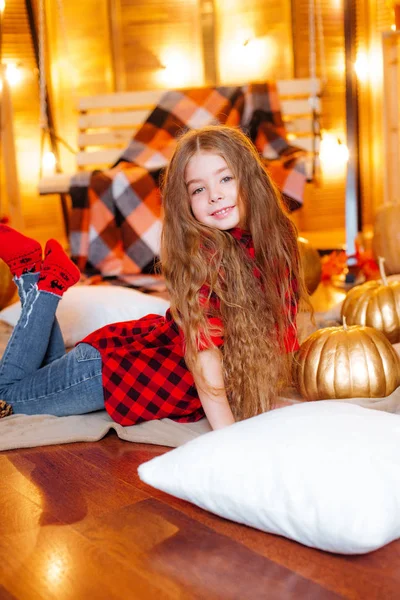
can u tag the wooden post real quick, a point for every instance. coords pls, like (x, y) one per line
(352, 201)
(50, 120)
(208, 34)
(391, 115)
(116, 45)
(8, 154)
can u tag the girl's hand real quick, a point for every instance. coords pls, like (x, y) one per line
(209, 382)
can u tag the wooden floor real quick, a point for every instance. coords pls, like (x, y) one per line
(76, 523)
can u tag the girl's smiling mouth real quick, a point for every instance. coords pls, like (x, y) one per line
(222, 212)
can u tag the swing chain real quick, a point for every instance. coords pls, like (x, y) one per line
(315, 22)
(44, 123)
(43, 119)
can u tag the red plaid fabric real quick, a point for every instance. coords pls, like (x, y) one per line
(145, 376)
(116, 214)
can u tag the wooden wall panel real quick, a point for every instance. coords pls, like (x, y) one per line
(161, 43)
(82, 61)
(254, 41)
(374, 17)
(40, 215)
(324, 206)
(80, 64)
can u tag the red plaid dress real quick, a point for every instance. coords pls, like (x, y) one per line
(145, 376)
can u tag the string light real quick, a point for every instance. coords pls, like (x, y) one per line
(333, 154)
(13, 73)
(243, 54)
(2, 5)
(332, 148)
(176, 68)
(361, 66)
(48, 163)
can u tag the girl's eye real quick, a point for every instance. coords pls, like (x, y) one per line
(227, 178)
(197, 191)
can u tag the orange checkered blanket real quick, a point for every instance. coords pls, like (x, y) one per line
(116, 214)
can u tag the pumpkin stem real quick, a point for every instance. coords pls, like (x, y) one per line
(344, 324)
(381, 260)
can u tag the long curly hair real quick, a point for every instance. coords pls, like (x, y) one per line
(254, 311)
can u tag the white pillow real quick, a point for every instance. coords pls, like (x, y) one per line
(325, 474)
(85, 308)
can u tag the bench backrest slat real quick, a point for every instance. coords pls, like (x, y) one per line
(108, 121)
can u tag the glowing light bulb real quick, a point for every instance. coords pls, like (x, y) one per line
(2, 5)
(48, 163)
(243, 57)
(361, 66)
(13, 74)
(177, 69)
(333, 149)
(333, 155)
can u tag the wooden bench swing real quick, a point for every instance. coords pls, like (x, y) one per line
(106, 123)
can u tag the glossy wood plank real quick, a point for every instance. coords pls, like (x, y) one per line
(66, 487)
(58, 562)
(349, 576)
(208, 564)
(78, 523)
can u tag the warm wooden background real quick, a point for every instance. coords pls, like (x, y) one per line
(103, 45)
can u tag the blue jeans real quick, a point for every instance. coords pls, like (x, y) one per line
(36, 374)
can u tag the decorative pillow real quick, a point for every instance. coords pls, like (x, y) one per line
(85, 308)
(325, 474)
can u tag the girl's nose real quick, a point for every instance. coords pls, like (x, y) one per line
(216, 195)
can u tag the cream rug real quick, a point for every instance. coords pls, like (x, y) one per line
(24, 431)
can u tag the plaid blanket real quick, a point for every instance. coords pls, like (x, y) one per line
(116, 214)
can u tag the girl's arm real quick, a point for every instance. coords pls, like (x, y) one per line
(214, 401)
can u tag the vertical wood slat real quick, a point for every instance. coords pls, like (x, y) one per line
(391, 115)
(116, 26)
(9, 154)
(373, 18)
(208, 34)
(161, 44)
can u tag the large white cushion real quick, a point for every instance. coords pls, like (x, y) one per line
(326, 474)
(85, 308)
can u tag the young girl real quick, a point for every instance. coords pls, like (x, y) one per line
(229, 255)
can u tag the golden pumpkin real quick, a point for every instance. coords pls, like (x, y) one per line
(375, 304)
(386, 240)
(311, 263)
(346, 362)
(7, 286)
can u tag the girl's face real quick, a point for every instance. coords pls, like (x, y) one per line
(213, 192)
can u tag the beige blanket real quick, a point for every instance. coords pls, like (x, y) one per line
(23, 431)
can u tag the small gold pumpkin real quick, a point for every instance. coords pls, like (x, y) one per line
(7, 286)
(311, 263)
(346, 362)
(376, 304)
(386, 240)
